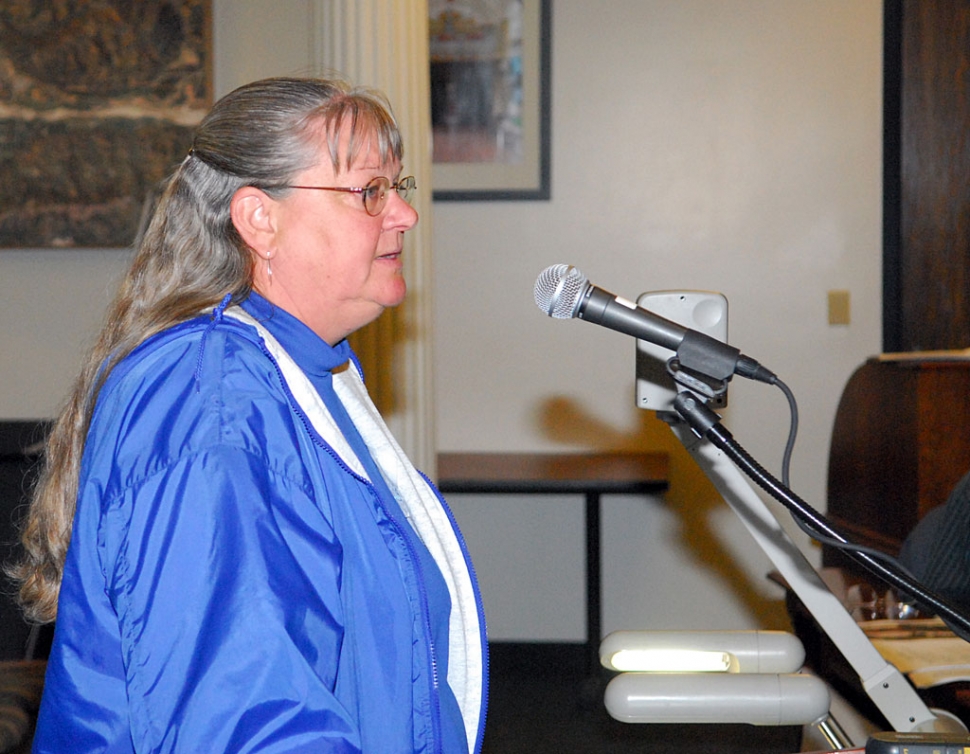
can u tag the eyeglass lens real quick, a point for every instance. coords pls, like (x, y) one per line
(375, 192)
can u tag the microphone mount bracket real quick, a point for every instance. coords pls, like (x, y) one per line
(703, 385)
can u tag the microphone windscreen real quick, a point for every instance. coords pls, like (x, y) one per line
(558, 290)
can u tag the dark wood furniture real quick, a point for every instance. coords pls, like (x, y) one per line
(589, 474)
(20, 447)
(21, 676)
(21, 685)
(900, 442)
(926, 174)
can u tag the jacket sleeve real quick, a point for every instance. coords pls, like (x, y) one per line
(224, 575)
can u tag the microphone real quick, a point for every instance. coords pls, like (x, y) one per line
(562, 292)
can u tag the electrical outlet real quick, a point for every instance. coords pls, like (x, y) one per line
(839, 307)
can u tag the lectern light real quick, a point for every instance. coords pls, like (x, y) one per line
(671, 661)
(746, 651)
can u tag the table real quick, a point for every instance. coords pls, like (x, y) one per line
(589, 474)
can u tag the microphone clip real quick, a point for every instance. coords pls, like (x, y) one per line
(699, 417)
(699, 383)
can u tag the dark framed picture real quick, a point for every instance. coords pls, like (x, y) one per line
(98, 103)
(490, 99)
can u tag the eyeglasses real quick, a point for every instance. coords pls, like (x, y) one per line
(374, 194)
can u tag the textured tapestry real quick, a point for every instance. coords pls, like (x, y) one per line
(98, 103)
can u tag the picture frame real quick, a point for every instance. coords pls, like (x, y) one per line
(103, 104)
(490, 99)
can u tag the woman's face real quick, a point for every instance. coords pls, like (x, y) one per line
(334, 266)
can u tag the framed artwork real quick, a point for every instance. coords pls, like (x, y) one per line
(98, 103)
(490, 98)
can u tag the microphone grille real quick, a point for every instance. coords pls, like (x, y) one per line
(558, 290)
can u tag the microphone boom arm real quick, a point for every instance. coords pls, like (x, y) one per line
(704, 365)
(889, 690)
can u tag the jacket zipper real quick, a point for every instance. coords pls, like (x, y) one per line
(433, 672)
(482, 627)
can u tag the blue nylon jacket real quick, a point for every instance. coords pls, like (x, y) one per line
(231, 585)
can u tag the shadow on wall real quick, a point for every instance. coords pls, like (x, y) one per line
(691, 494)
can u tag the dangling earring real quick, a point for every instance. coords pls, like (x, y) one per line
(269, 268)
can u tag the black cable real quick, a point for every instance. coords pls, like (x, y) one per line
(806, 525)
(886, 571)
(815, 534)
(814, 524)
(792, 431)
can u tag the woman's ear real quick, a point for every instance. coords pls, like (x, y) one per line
(251, 213)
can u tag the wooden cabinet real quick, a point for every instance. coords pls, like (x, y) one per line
(900, 443)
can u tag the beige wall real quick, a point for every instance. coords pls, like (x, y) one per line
(731, 145)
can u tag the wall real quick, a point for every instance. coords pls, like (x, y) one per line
(731, 145)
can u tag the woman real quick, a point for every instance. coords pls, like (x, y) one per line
(253, 564)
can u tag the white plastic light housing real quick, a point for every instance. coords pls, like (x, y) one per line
(749, 651)
(757, 699)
